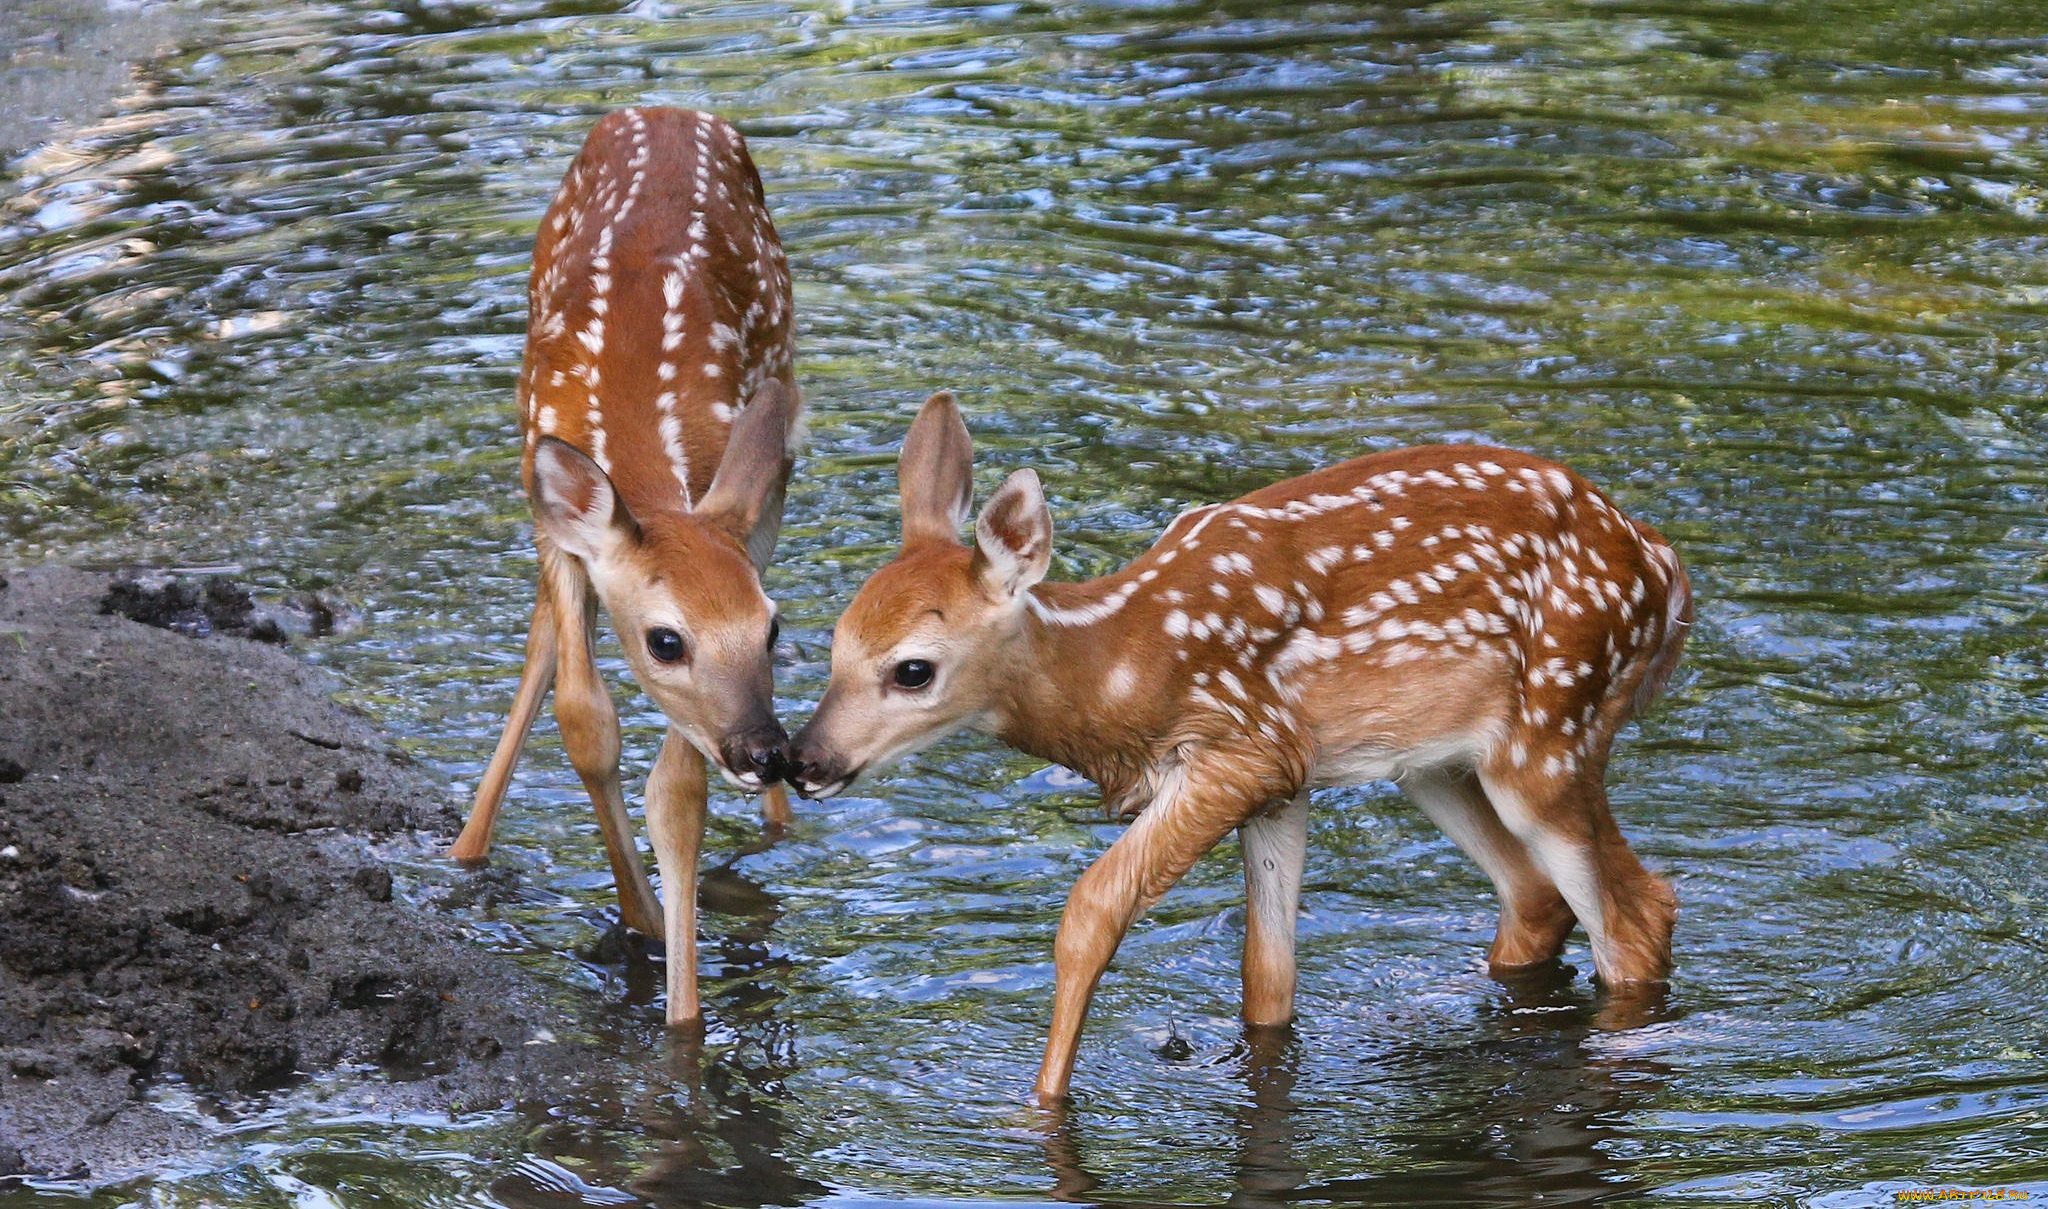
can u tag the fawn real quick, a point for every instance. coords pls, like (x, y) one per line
(660, 415)
(1474, 624)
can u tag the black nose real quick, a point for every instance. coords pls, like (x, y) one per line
(758, 751)
(809, 768)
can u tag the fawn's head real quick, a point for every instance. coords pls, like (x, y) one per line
(931, 637)
(682, 593)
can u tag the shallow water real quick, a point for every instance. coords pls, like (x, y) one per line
(1772, 273)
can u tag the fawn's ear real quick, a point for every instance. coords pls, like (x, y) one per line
(934, 474)
(1013, 537)
(751, 472)
(575, 505)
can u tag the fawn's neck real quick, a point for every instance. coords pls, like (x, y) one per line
(1094, 683)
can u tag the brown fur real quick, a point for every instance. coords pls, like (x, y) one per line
(659, 312)
(1475, 624)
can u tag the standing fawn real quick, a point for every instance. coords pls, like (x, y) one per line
(1473, 624)
(660, 416)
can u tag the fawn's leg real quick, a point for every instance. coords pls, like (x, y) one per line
(535, 678)
(1534, 917)
(677, 790)
(1275, 844)
(1565, 823)
(775, 808)
(590, 734)
(1197, 806)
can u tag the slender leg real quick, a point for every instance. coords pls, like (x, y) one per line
(535, 678)
(1534, 917)
(1185, 821)
(775, 809)
(1275, 845)
(1566, 825)
(590, 733)
(676, 795)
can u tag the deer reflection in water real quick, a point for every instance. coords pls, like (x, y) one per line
(1540, 1107)
(715, 1118)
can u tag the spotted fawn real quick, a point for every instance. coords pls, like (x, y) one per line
(1474, 624)
(660, 415)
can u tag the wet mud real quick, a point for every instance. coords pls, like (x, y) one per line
(190, 890)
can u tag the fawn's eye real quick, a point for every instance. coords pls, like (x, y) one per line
(774, 632)
(666, 645)
(913, 674)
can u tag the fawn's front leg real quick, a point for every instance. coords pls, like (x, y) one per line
(1275, 846)
(590, 734)
(536, 676)
(677, 790)
(1187, 818)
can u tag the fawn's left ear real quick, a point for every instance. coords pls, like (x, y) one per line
(750, 473)
(1013, 537)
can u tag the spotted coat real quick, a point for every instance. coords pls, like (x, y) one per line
(659, 303)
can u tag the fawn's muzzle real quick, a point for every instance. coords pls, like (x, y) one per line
(756, 753)
(815, 772)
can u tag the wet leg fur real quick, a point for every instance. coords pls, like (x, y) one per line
(1535, 920)
(536, 677)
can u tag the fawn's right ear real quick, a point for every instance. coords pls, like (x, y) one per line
(935, 474)
(575, 505)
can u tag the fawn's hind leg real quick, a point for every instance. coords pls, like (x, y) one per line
(1564, 821)
(1535, 919)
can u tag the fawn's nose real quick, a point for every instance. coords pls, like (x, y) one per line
(757, 753)
(814, 773)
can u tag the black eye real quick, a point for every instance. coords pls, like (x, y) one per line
(774, 631)
(665, 644)
(913, 673)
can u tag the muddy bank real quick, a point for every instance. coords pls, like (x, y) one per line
(188, 889)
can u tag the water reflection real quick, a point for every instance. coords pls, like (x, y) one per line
(709, 1127)
(1533, 1118)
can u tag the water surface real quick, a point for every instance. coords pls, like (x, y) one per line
(1774, 274)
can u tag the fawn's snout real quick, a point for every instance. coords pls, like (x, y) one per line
(756, 756)
(814, 770)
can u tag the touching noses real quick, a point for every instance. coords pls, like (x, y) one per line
(811, 768)
(757, 752)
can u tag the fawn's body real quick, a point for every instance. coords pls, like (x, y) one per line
(659, 414)
(1475, 624)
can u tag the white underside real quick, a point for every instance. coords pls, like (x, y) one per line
(1367, 762)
